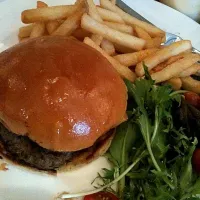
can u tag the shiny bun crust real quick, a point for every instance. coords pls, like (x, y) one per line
(64, 93)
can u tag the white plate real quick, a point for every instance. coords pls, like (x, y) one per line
(20, 184)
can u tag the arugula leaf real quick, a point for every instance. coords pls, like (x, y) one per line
(153, 115)
(153, 102)
(123, 140)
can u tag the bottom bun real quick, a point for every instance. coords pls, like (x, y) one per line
(22, 151)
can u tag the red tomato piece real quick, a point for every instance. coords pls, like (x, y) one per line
(196, 160)
(101, 196)
(193, 99)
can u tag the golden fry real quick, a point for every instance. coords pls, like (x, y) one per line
(70, 24)
(120, 27)
(108, 47)
(131, 59)
(122, 70)
(152, 30)
(92, 10)
(47, 14)
(141, 33)
(41, 4)
(110, 16)
(191, 84)
(162, 55)
(171, 60)
(97, 39)
(174, 69)
(39, 27)
(51, 26)
(112, 35)
(153, 43)
(176, 83)
(38, 30)
(174, 59)
(113, 1)
(159, 67)
(25, 31)
(190, 71)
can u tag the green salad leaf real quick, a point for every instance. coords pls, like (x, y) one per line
(124, 140)
(165, 171)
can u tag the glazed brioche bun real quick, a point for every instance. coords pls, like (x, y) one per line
(60, 93)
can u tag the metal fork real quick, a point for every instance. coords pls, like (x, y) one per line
(170, 37)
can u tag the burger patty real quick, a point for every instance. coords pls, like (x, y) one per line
(24, 151)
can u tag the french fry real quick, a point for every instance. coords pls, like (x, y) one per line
(112, 35)
(80, 34)
(92, 10)
(108, 47)
(175, 68)
(70, 24)
(171, 60)
(162, 55)
(39, 27)
(153, 43)
(174, 59)
(122, 70)
(120, 27)
(51, 26)
(152, 30)
(158, 68)
(38, 30)
(110, 16)
(97, 39)
(25, 31)
(113, 1)
(141, 33)
(191, 84)
(41, 4)
(47, 14)
(176, 83)
(131, 59)
(190, 71)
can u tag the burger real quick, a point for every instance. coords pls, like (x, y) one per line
(60, 101)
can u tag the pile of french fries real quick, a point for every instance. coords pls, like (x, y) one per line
(125, 41)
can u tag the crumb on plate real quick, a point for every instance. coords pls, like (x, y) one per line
(3, 167)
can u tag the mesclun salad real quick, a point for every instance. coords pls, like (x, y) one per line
(152, 152)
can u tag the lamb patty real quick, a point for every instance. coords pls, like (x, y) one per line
(24, 151)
